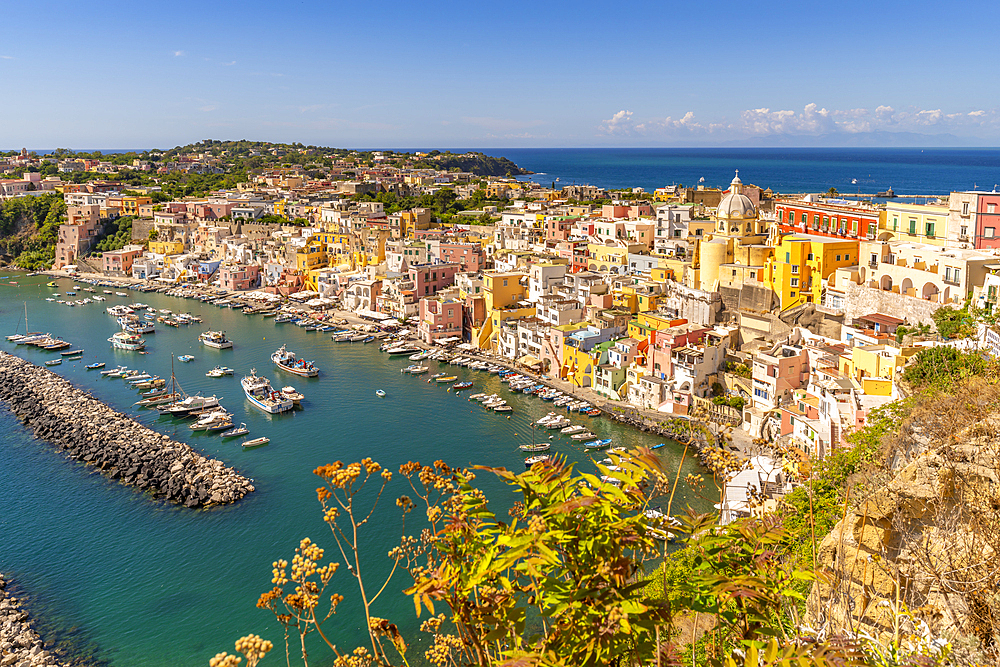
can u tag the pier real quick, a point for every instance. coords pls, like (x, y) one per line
(89, 431)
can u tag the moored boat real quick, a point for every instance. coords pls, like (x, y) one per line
(235, 432)
(99, 364)
(532, 460)
(287, 361)
(289, 392)
(124, 340)
(216, 339)
(256, 442)
(258, 391)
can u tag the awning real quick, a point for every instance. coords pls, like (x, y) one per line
(530, 361)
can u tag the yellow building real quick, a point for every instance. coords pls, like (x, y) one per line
(801, 262)
(312, 255)
(605, 258)
(578, 365)
(502, 296)
(166, 247)
(923, 223)
(646, 323)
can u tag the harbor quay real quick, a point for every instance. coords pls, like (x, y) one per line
(90, 431)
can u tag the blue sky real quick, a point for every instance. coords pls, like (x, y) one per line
(474, 74)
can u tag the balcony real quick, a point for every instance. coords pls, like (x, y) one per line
(873, 263)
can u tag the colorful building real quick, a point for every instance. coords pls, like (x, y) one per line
(800, 263)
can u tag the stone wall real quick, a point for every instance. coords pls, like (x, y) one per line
(694, 305)
(860, 300)
(141, 228)
(88, 430)
(20, 645)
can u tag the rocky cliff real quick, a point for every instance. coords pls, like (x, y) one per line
(918, 542)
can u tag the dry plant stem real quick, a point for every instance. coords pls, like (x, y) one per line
(677, 477)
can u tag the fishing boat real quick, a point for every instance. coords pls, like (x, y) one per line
(99, 364)
(289, 392)
(447, 379)
(380, 393)
(414, 369)
(124, 340)
(461, 385)
(586, 435)
(256, 442)
(571, 430)
(287, 361)
(540, 447)
(532, 460)
(236, 432)
(133, 324)
(258, 391)
(597, 444)
(219, 371)
(592, 412)
(53, 362)
(71, 353)
(185, 358)
(216, 339)
(503, 408)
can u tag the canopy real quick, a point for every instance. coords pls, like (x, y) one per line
(528, 360)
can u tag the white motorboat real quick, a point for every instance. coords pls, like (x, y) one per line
(216, 339)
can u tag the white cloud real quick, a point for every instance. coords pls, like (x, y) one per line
(812, 120)
(929, 116)
(7, 58)
(178, 54)
(619, 123)
(207, 107)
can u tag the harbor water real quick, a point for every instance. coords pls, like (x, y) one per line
(128, 580)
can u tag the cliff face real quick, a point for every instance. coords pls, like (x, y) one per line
(921, 546)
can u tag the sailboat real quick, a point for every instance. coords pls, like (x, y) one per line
(27, 336)
(162, 398)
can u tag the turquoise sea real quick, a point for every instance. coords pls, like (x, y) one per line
(130, 581)
(786, 170)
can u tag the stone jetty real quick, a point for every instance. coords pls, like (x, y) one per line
(20, 645)
(88, 430)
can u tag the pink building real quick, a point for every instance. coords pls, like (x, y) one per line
(427, 279)
(439, 318)
(78, 233)
(988, 221)
(469, 256)
(239, 277)
(659, 355)
(558, 230)
(119, 262)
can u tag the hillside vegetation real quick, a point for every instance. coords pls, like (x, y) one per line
(29, 229)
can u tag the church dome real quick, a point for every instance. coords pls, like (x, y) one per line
(736, 205)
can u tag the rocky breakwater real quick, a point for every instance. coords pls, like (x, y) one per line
(88, 430)
(20, 645)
